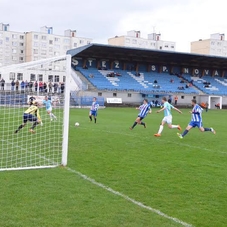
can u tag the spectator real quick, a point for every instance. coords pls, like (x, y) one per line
(26, 85)
(170, 99)
(45, 87)
(155, 81)
(181, 88)
(2, 84)
(171, 81)
(175, 100)
(59, 87)
(12, 85)
(55, 87)
(30, 86)
(62, 87)
(91, 75)
(40, 86)
(22, 84)
(50, 85)
(36, 86)
(207, 106)
(17, 85)
(217, 105)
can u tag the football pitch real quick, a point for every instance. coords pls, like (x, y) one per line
(118, 177)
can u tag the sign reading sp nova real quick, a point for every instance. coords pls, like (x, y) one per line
(114, 100)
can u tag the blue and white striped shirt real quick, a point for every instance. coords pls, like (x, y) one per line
(144, 109)
(197, 113)
(94, 106)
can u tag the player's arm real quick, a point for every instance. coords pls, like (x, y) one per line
(38, 116)
(177, 110)
(163, 108)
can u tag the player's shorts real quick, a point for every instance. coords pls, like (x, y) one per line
(29, 117)
(93, 113)
(196, 124)
(141, 117)
(49, 109)
(167, 119)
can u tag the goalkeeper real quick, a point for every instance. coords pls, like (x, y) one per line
(31, 114)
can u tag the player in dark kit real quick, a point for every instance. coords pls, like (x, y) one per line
(31, 114)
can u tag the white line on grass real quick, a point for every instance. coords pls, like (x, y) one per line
(38, 155)
(176, 220)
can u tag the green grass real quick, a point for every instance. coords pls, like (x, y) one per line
(185, 179)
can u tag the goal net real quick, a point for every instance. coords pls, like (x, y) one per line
(25, 144)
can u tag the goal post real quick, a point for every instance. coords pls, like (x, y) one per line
(26, 144)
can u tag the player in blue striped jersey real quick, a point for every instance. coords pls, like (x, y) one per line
(196, 120)
(94, 110)
(167, 116)
(145, 108)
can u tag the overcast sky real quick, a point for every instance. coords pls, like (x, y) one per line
(181, 21)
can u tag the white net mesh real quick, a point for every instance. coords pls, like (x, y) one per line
(24, 150)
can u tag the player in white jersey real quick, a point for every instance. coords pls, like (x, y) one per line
(196, 121)
(167, 116)
(48, 104)
(94, 110)
(145, 108)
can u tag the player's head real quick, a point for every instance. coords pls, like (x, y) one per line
(193, 102)
(164, 99)
(31, 99)
(35, 103)
(145, 101)
(94, 99)
(46, 98)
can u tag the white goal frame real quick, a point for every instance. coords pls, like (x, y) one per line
(65, 118)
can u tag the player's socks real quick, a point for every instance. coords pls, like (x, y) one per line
(135, 123)
(90, 118)
(53, 116)
(184, 133)
(19, 128)
(175, 126)
(34, 125)
(144, 125)
(207, 129)
(160, 129)
(95, 120)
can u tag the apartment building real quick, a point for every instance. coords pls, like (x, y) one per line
(12, 46)
(134, 39)
(216, 45)
(19, 47)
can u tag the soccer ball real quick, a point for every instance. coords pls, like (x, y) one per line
(77, 124)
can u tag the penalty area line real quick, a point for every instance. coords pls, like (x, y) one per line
(153, 210)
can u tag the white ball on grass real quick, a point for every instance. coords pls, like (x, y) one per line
(77, 124)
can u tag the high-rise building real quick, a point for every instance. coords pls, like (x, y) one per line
(216, 45)
(12, 46)
(134, 39)
(19, 47)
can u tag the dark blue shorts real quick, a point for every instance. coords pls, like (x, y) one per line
(93, 113)
(29, 117)
(196, 124)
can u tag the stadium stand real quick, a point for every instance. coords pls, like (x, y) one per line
(122, 80)
(209, 85)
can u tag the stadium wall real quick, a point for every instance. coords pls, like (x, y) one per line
(136, 98)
